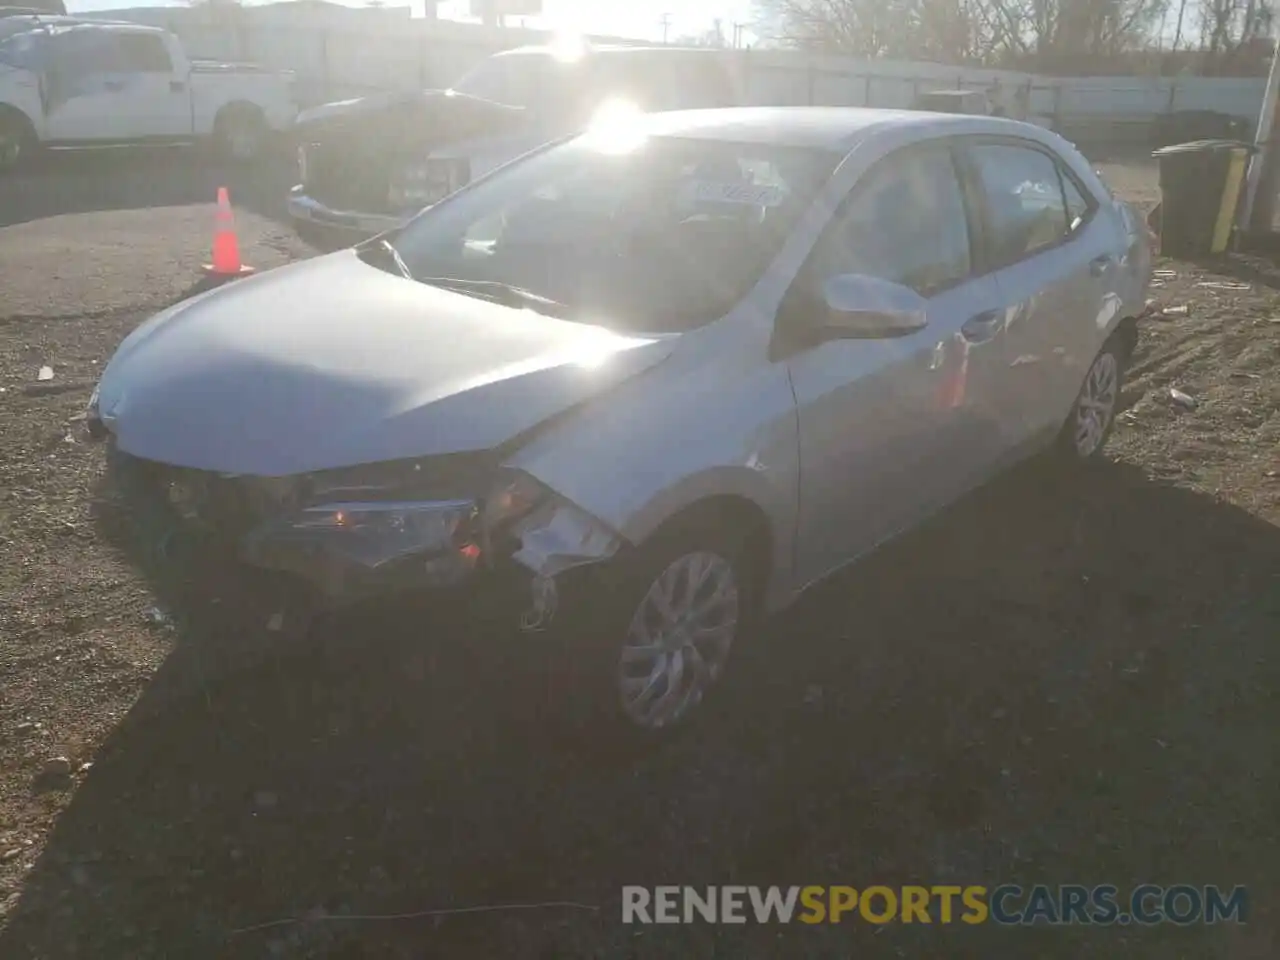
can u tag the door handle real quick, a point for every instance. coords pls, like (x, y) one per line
(983, 327)
(1098, 265)
(177, 86)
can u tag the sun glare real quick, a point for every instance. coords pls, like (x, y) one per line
(616, 127)
(569, 46)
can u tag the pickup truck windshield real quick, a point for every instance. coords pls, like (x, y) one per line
(665, 237)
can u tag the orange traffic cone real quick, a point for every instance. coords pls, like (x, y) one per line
(226, 249)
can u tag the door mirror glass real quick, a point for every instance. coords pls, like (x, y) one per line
(863, 307)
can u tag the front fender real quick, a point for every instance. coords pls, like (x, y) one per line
(683, 432)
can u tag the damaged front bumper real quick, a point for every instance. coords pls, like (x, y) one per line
(511, 551)
(339, 227)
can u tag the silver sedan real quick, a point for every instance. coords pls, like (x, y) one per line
(660, 377)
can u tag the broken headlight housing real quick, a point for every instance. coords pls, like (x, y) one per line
(541, 531)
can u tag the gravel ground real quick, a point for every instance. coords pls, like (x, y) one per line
(1057, 681)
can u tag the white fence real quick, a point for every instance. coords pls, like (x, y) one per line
(339, 59)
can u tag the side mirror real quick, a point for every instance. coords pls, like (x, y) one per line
(862, 307)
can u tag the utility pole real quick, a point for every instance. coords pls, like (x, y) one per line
(665, 20)
(1256, 216)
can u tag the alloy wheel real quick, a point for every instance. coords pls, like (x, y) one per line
(679, 640)
(1097, 404)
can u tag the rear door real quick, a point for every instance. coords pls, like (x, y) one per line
(1051, 257)
(892, 429)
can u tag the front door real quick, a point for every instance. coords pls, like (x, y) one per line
(892, 429)
(85, 97)
(114, 86)
(159, 101)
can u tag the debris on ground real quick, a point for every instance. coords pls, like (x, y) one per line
(56, 767)
(1183, 399)
(158, 618)
(46, 373)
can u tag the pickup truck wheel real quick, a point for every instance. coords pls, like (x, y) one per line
(17, 141)
(240, 133)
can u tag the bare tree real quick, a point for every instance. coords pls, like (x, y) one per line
(1229, 27)
(987, 31)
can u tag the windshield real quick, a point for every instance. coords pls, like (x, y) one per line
(536, 81)
(20, 48)
(664, 237)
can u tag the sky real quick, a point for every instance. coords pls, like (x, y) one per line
(625, 18)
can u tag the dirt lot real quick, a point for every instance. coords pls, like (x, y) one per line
(1058, 682)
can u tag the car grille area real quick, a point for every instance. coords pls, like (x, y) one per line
(346, 179)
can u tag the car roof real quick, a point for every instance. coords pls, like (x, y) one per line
(837, 129)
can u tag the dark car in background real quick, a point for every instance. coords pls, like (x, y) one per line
(368, 165)
(46, 7)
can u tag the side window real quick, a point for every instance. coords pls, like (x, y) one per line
(1079, 207)
(144, 53)
(905, 221)
(1023, 194)
(81, 53)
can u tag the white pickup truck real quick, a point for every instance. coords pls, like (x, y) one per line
(80, 83)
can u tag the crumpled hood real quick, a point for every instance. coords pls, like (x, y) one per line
(331, 363)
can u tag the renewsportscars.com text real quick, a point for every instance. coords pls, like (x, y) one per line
(1066, 904)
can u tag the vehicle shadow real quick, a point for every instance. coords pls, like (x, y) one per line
(75, 182)
(1019, 692)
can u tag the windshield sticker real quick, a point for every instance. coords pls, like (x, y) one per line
(710, 191)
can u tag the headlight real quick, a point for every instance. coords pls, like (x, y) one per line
(431, 541)
(392, 529)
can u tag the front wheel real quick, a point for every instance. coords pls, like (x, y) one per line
(657, 642)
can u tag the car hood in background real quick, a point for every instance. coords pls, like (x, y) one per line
(331, 363)
(422, 116)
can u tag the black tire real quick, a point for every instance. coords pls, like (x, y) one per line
(240, 133)
(1073, 446)
(18, 141)
(595, 620)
